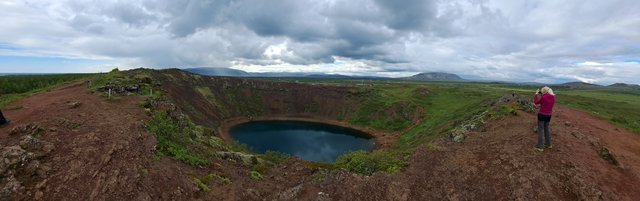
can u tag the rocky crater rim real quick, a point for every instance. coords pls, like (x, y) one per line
(227, 124)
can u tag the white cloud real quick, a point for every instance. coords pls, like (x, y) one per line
(597, 72)
(492, 39)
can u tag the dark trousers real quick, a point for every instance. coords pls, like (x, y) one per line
(2, 119)
(544, 130)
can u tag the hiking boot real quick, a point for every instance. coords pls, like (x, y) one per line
(540, 149)
(548, 146)
(5, 124)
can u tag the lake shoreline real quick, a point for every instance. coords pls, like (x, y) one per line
(381, 139)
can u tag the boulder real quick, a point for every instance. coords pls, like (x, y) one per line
(10, 188)
(239, 156)
(73, 105)
(28, 129)
(13, 156)
(38, 147)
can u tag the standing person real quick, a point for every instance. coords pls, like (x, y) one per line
(546, 99)
(3, 122)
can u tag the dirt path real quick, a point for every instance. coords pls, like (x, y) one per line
(101, 151)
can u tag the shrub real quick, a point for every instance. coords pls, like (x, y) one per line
(275, 157)
(255, 175)
(260, 167)
(172, 140)
(364, 163)
(201, 185)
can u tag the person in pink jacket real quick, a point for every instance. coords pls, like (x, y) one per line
(546, 99)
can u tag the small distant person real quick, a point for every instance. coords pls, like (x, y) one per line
(3, 122)
(546, 99)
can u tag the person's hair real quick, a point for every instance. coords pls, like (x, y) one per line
(547, 90)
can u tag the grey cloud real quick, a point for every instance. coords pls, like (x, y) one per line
(131, 14)
(493, 39)
(353, 31)
(409, 14)
(193, 15)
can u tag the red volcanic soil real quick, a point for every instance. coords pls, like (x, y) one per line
(89, 148)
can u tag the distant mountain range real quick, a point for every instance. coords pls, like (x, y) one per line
(435, 76)
(584, 85)
(213, 71)
(218, 72)
(574, 85)
(427, 76)
(624, 85)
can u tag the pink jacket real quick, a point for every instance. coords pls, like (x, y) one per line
(546, 103)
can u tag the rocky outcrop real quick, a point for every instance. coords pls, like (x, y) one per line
(459, 133)
(21, 162)
(507, 103)
(120, 89)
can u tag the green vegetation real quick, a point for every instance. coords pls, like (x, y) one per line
(418, 111)
(620, 107)
(364, 163)
(203, 182)
(144, 172)
(201, 185)
(423, 111)
(255, 175)
(183, 140)
(140, 79)
(269, 159)
(388, 108)
(274, 157)
(446, 104)
(431, 146)
(17, 87)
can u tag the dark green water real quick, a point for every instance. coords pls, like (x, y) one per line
(308, 141)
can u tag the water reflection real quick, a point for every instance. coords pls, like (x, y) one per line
(308, 141)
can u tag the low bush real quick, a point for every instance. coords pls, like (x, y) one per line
(201, 185)
(172, 139)
(274, 157)
(365, 163)
(255, 175)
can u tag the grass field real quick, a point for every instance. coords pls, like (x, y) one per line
(621, 107)
(19, 86)
(450, 101)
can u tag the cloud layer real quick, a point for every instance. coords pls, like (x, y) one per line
(544, 41)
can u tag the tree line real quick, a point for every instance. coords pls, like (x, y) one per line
(14, 84)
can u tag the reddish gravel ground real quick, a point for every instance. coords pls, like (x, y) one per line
(103, 152)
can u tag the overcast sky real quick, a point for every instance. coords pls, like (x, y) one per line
(547, 41)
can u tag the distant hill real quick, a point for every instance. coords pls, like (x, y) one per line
(624, 85)
(435, 76)
(211, 71)
(216, 71)
(577, 85)
(329, 76)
